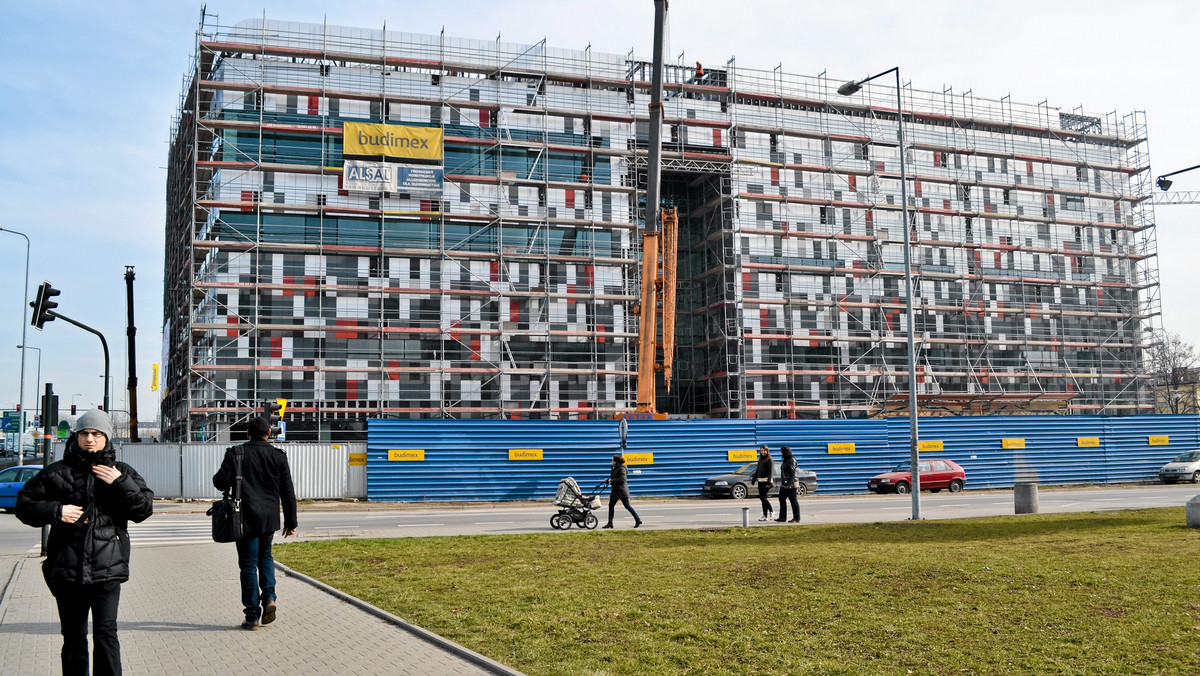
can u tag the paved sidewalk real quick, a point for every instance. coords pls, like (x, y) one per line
(180, 613)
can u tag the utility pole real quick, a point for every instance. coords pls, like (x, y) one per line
(130, 333)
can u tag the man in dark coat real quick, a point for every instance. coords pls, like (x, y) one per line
(266, 480)
(88, 500)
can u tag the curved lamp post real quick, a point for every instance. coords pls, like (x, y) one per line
(849, 89)
(24, 322)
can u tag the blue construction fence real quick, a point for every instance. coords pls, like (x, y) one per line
(424, 460)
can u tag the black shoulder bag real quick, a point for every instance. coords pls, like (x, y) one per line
(226, 513)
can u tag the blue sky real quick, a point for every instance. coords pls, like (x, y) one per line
(89, 91)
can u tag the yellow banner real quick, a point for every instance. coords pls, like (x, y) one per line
(639, 458)
(153, 377)
(358, 459)
(405, 454)
(392, 140)
(1087, 442)
(1012, 443)
(929, 446)
(1160, 441)
(742, 454)
(844, 447)
(524, 454)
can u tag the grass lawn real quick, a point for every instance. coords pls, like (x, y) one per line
(1091, 593)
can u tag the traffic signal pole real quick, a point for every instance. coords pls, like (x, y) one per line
(43, 311)
(49, 423)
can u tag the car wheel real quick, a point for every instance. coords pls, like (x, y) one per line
(801, 489)
(956, 485)
(739, 491)
(1196, 477)
(591, 522)
(902, 488)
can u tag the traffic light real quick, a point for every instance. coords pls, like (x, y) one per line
(275, 411)
(72, 409)
(42, 305)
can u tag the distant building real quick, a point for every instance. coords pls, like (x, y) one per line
(382, 224)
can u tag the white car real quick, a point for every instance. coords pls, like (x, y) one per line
(1184, 468)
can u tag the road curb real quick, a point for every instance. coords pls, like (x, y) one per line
(467, 654)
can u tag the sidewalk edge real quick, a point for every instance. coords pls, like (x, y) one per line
(5, 591)
(481, 661)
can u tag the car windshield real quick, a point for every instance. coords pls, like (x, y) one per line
(1190, 456)
(748, 468)
(902, 467)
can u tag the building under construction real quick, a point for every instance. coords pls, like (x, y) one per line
(381, 224)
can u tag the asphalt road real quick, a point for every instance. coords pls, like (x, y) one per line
(184, 523)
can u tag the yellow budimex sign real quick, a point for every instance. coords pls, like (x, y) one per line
(524, 454)
(392, 140)
(406, 454)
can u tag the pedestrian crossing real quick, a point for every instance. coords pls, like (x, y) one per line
(173, 531)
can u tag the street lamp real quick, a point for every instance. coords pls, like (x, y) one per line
(849, 89)
(24, 305)
(21, 439)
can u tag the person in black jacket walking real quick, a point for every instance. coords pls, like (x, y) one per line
(88, 500)
(788, 485)
(764, 476)
(618, 478)
(266, 480)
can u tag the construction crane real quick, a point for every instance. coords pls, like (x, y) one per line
(660, 235)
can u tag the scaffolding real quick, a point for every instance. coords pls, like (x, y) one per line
(512, 293)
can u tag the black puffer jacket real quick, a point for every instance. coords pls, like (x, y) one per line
(95, 548)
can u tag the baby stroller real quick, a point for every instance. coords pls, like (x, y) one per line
(575, 507)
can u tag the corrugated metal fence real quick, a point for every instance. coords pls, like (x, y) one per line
(319, 471)
(470, 460)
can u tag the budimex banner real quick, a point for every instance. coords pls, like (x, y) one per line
(392, 140)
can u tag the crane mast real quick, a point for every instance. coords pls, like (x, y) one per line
(660, 234)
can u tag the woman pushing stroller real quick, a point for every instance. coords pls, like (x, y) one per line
(618, 479)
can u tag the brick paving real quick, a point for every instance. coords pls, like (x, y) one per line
(180, 613)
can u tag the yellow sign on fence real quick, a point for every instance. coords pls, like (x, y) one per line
(742, 455)
(843, 447)
(1087, 442)
(1160, 441)
(1012, 443)
(524, 454)
(639, 458)
(924, 446)
(358, 459)
(405, 454)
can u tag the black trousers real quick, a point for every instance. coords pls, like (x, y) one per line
(75, 602)
(788, 495)
(612, 504)
(763, 489)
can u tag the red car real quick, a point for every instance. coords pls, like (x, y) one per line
(936, 474)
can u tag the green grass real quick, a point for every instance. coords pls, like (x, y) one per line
(1093, 593)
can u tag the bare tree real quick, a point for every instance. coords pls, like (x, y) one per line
(1173, 376)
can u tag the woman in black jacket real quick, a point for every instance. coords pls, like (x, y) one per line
(88, 500)
(764, 476)
(618, 478)
(787, 485)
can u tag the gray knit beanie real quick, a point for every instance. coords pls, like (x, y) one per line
(95, 420)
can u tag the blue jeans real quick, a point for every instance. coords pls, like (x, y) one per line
(258, 573)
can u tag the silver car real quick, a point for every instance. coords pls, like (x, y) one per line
(1186, 467)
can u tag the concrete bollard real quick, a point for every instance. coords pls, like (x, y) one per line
(1193, 512)
(1025, 497)
(745, 517)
